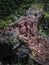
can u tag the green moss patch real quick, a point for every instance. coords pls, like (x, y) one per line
(38, 6)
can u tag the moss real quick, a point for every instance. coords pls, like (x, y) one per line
(33, 54)
(38, 6)
(42, 33)
(4, 23)
(11, 40)
(46, 14)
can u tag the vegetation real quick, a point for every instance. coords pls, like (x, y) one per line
(13, 9)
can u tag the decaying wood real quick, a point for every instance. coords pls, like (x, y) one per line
(27, 28)
(37, 44)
